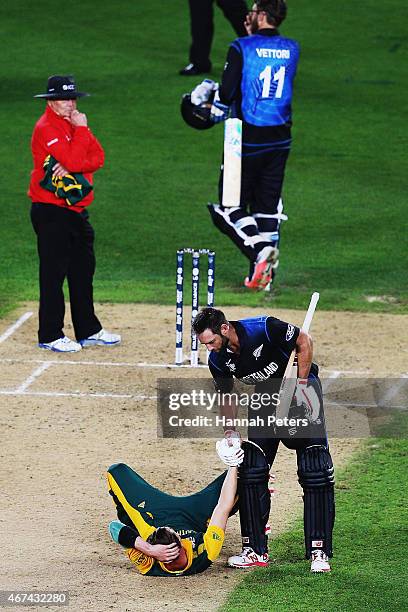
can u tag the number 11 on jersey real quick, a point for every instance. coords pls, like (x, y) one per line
(266, 77)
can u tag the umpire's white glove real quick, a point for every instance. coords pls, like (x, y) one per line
(203, 91)
(306, 396)
(230, 455)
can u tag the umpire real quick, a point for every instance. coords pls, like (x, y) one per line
(202, 30)
(65, 155)
(257, 85)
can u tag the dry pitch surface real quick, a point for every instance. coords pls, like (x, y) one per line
(65, 418)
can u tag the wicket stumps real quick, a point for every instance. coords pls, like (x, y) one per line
(195, 297)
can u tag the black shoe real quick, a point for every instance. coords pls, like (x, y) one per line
(193, 70)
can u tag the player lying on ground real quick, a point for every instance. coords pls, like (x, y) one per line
(256, 351)
(165, 535)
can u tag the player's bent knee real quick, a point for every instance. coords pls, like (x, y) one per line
(315, 467)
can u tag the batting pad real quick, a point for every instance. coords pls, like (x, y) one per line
(149, 508)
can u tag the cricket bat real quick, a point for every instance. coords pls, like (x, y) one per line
(231, 190)
(290, 376)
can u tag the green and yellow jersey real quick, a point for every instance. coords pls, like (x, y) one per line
(201, 548)
(148, 508)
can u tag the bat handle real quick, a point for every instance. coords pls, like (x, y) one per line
(310, 311)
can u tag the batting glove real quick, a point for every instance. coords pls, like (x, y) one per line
(219, 112)
(203, 91)
(307, 397)
(230, 455)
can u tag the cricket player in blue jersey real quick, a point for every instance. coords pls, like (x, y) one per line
(257, 86)
(255, 351)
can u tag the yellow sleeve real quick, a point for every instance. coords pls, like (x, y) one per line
(213, 541)
(137, 519)
(143, 562)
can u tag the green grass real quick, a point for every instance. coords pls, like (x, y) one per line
(344, 193)
(370, 544)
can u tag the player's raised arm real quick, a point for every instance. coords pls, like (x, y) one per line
(226, 500)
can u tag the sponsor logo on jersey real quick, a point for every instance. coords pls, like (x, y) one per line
(317, 543)
(261, 375)
(231, 365)
(275, 53)
(53, 141)
(257, 352)
(290, 332)
(216, 537)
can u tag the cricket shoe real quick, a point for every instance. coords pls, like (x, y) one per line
(102, 338)
(320, 562)
(194, 70)
(61, 345)
(249, 558)
(265, 264)
(114, 530)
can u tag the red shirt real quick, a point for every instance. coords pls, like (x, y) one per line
(76, 148)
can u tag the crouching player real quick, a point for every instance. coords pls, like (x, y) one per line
(165, 535)
(255, 351)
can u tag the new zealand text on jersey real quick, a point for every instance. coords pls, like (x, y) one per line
(275, 53)
(262, 375)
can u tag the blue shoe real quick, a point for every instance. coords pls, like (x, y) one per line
(102, 338)
(114, 530)
(61, 345)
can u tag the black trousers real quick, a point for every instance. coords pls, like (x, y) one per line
(261, 181)
(65, 242)
(202, 26)
(256, 223)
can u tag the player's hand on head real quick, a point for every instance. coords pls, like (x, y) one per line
(230, 451)
(165, 552)
(219, 111)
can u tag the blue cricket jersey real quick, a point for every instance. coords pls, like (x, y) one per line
(265, 346)
(269, 66)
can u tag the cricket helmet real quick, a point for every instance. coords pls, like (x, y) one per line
(196, 116)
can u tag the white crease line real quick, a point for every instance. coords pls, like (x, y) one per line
(392, 392)
(100, 363)
(328, 381)
(362, 405)
(143, 364)
(168, 365)
(15, 326)
(29, 381)
(366, 372)
(78, 394)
